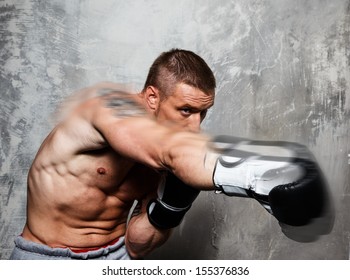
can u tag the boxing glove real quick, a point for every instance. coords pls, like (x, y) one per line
(174, 200)
(283, 176)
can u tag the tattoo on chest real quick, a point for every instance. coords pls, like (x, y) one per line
(123, 105)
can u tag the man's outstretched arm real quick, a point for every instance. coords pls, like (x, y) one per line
(274, 173)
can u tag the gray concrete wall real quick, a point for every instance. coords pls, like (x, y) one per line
(282, 69)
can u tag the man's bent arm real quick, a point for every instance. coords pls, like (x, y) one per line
(141, 236)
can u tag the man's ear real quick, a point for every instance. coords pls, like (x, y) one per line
(152, 97)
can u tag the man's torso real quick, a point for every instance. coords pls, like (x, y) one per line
(80, 191)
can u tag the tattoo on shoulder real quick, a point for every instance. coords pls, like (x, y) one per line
(123, 105)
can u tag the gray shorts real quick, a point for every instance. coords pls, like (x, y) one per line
(28, 250)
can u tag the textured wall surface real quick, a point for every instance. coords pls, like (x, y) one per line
(282, 69)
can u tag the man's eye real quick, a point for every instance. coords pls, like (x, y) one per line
(186, 111)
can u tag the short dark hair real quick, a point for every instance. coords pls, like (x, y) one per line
(180, 66)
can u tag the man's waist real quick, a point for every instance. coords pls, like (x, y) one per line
(88, 249)
(75, 242)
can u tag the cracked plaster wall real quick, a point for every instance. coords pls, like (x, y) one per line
(282, 70)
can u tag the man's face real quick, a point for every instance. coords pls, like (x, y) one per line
(187, 107)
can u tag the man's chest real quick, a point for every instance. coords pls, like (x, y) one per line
(139, 182)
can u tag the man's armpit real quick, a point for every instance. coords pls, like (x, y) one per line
(123, 105)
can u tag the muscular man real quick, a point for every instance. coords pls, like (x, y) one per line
(110, 150)
(113, 148)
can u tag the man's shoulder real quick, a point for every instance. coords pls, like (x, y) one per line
(95, 96)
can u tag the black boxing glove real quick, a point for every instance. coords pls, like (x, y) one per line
(282, 176)
(174, 200)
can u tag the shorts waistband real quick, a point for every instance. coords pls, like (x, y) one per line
(25, 249)
(114, 241)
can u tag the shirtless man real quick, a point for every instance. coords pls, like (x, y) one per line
(112, 149)
(108, 152)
